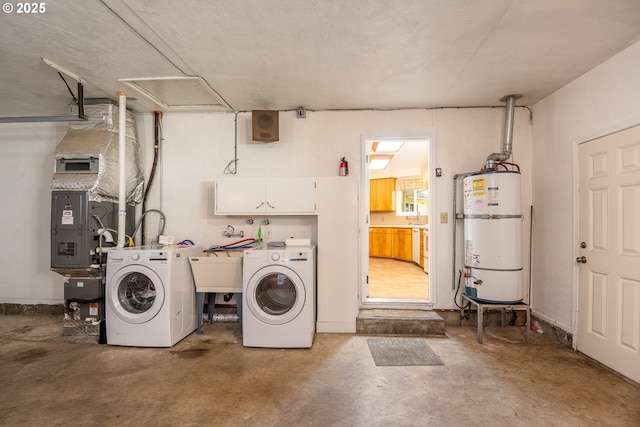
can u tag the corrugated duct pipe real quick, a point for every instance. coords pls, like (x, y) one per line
(507, 133)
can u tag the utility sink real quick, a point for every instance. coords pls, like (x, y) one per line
(219, 271)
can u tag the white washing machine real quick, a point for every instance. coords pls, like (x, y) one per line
(150, 295)
(279, 297)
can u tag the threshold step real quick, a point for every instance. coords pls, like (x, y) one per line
(400, 322)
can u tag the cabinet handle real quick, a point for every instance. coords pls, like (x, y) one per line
(269, 204)
(260, 205)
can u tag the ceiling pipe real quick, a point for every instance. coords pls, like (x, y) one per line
(507, 133)
(81, 115)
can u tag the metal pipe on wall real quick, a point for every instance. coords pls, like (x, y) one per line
(507, 133)
(456, 177)
(122, 208)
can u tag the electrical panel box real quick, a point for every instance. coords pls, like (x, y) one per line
(74, 228)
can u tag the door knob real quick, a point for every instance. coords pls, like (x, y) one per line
(582, 259)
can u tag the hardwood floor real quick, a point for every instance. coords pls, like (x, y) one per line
(389, 278)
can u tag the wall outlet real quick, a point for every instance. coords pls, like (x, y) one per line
(444, 217)
(267, 233)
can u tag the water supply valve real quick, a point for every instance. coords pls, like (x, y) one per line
(231, 232)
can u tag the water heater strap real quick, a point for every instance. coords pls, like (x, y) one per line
(495, 269)
(487, 216)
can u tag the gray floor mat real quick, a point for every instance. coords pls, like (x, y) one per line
(402, 352)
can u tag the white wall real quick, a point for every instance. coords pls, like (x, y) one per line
(600, 102)
(26, 168)
(197, 147)
(464, 139)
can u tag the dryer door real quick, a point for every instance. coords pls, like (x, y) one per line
(135, 294)
(275, 294)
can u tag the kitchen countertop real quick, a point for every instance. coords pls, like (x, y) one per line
(424, 226)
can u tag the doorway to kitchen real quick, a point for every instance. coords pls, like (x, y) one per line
(396, 262)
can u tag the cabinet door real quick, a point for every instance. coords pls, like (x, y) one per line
(380, 242)
(402, 248)
(290, 196)
(382, 194)
(240, 196)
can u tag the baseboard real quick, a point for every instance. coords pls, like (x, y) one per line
(32, 309)
(491, 318)
(336, 327)
(540, 323)
(556, 332)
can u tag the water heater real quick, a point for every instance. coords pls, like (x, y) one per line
(493, 236)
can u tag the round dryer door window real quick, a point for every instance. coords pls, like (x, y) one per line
(136, 294)
(276, 295)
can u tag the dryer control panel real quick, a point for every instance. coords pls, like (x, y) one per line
(278, 255)
(289, 256)
(298, 256)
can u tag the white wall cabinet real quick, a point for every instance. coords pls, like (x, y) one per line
(269, 196)
(338, 282)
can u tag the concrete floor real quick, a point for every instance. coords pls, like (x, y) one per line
(211, 380)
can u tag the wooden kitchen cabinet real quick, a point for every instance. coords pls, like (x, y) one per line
(380, 242)
(401, 247)
(382, 193)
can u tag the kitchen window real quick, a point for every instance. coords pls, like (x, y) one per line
(412, 196)
(412, 202)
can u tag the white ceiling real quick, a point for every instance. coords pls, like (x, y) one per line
(410, 160)
(317, 54)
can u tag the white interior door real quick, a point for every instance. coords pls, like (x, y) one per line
(609, 254)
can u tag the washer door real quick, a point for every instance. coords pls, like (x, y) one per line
(135, 294)
(275, 295)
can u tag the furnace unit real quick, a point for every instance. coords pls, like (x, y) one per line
(84, 210)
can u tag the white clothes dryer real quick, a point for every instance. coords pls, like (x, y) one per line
(279, 297)
(150, 295)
